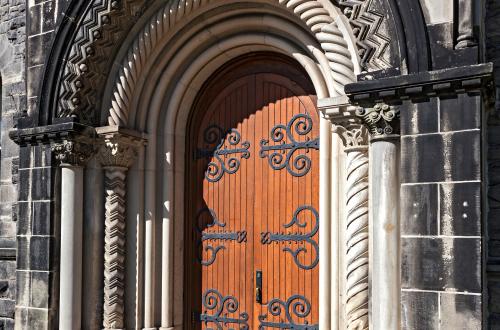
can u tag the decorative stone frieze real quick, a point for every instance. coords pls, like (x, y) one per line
(117, 153)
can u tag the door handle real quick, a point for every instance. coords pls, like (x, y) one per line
(258, 286)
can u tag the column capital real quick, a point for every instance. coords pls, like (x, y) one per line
(382, 119)
(118, 147)
(346, 123)
(73, 152)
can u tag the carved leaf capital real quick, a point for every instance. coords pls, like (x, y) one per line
(381, 120)
(74, 153)
(118, 151)
(353, 135)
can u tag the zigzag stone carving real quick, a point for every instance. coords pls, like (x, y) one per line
(103, 27)
(114, 257)
(366, 23)
(312, 12)
(116, 154)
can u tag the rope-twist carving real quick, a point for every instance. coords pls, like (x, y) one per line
(311, 12)
(357, 240)
(114, 257)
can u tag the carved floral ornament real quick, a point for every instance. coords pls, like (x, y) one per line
(381, 120)
(72, 152)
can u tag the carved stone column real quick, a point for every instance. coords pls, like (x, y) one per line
(117, 153)
(72, 155)
(355, 138)
(382, 121)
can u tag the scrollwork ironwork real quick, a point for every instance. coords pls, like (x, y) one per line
(225, 158)
(280, 154)
(268, 237)
(222, 306)
(297, 305)
(211, 250)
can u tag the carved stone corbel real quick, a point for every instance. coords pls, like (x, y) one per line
(354, 135)
(117, 153)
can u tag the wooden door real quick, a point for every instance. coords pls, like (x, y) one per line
(252, 201)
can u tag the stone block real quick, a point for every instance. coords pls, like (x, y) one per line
(23, 282)
(419, 310)
(40, 288)
(439, 264)
(34, 20)
(41, 220)
(41, 253)
(37, 49)
(460, 312)
(419, 209)
(433, 157)
(460, 209)
(460, 113)
(23, 253)
(420, 118)
(7, 308)
(41, 184)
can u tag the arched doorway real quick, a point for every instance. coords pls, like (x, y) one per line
(252, 198)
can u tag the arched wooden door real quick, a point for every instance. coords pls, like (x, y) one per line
(252, 258)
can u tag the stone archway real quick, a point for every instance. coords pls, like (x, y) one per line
(148, 97)
(145, 98)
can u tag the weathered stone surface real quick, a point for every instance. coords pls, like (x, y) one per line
(420, 310)
(420, 163)
(442, 264)
(419, 209)
(460, 311)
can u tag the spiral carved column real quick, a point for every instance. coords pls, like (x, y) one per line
(355, 138)
(117, 154)
(357, 239)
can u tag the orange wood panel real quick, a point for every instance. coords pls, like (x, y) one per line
(252, 199)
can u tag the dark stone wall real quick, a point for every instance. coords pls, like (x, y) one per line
(13, 104)
(492, 46)
(25, 40)
(441, 226)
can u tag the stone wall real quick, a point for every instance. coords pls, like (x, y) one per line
(13, 103)
(492, 34)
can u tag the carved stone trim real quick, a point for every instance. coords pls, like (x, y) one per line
(381, 120)
(371, 37)
(114, 247)
(311, 12)
(103, 27)
(72, 153)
